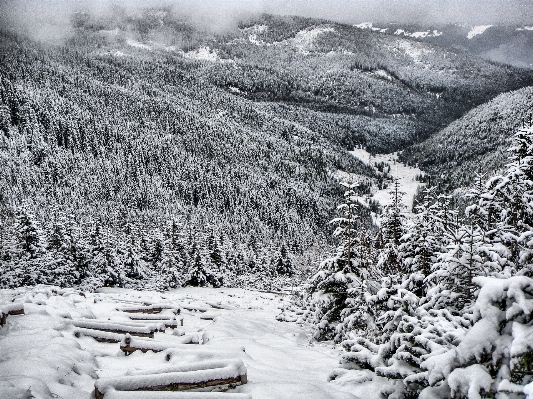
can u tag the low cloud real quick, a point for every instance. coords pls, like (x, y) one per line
(51, 20)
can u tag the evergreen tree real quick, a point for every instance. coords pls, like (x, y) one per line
(215, 255)
(59, 258)
(392, 230)
(27, 250)
(104, 269)
(339, 283)
(422, 242)
(197, 274)
(283, 263)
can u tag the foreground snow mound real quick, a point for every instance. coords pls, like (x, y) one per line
(37, 360)
(69, 342)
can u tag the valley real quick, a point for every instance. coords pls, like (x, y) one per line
(103, 134)
(208, 203)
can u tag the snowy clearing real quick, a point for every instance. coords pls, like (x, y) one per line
(406, 176)
(305, 39)
(42, 356)
(477, 30)
(428, 33)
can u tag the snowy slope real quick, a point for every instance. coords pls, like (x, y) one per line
(41, 355)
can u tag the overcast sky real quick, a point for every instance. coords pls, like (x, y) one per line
(433, 11)
(51, 18)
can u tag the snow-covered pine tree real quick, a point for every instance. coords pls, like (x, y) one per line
(134, 268)
(422, 241)
(392, 230)
(494, 358)
(199, 274)
(511, 200)
(338, 289)
(215, 255)
(26, 252)
(79, 251)
(59, 259)
(103, 269)
(283, 263)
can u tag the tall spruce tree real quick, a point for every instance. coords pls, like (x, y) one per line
(338, 287)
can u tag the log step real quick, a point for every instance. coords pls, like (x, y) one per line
(112, 394)
(128, 344)
(16, 308)
(155, 308)
(100, 336)
(168, 323)
(148, 316)
(106, 326)
(192, 308)
(177, 378)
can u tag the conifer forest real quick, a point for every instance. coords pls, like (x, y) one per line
(284, 203)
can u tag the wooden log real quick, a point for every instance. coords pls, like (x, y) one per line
(194, 309)
(100, 336)
(167, 323)
(150, 317)
(128, 345)
(151, 309)
(139, 331)
(13, 308)
(179, 378)
(16, 308)
(201, 352)
(142, 310)
(112, 394)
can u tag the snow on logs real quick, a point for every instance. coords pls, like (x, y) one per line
(175, 378)
(11, 309)
(153, 308)
(129, 345)
(100, 336)
(155, 318)
(112, 394)
(193, 308)
(119, 328)
(200, 352)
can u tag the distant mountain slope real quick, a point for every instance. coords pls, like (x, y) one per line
(135, 146)
(512, 44)
(476, 142)
(391, 90)
(167, 142)
(384, 91)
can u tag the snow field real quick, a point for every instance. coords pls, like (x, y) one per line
(406, 176)
(42, 357)
(477, 30)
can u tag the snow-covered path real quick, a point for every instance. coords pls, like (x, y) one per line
(280, 361)
(41, 355)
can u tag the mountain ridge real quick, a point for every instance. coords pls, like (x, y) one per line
(238, 141)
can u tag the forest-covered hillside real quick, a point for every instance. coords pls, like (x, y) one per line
(476, 143)
(508, 43)
(145, 149)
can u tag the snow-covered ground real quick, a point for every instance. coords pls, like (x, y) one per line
(477, 30)
(406, 176)
(41, 356)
